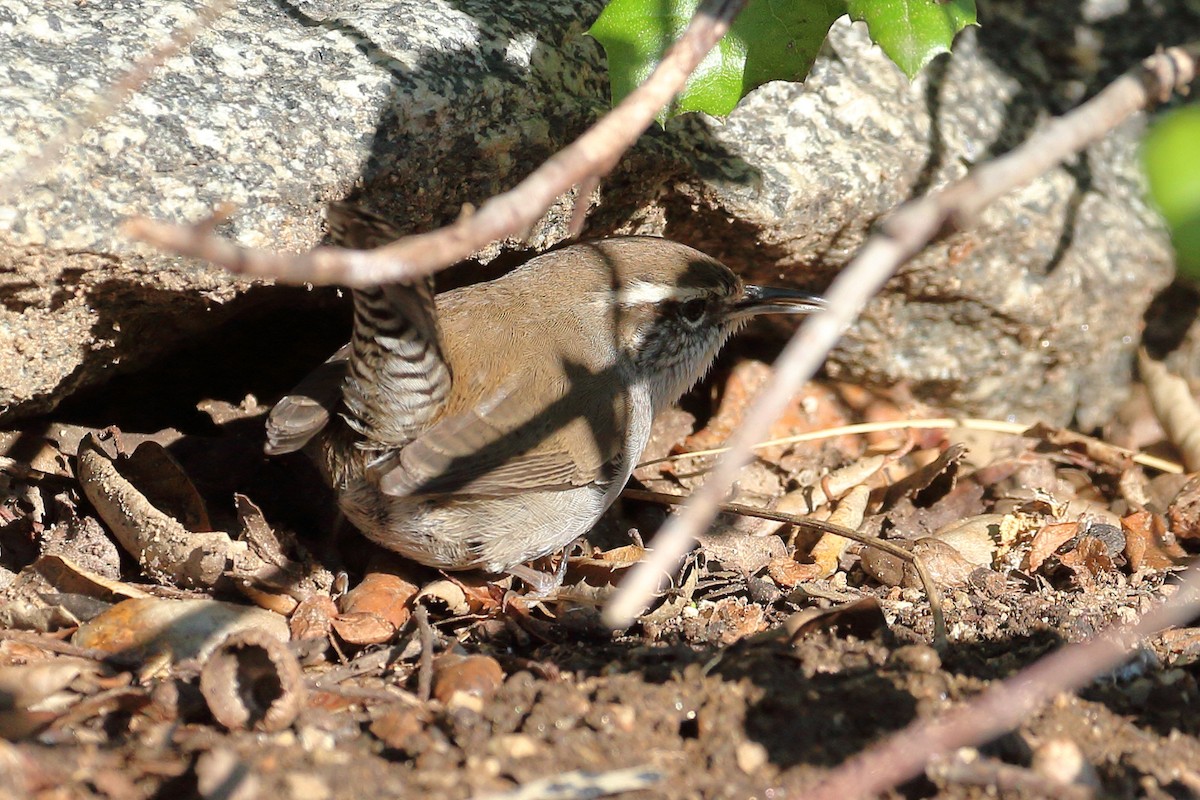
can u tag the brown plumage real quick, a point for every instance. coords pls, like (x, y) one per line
(496, 425)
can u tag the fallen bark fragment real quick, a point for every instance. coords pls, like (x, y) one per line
(158, 517)
(138, 629)
(166, 550)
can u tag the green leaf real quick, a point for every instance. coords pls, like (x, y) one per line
(1171, 155)
(912, 32)
(769, 40)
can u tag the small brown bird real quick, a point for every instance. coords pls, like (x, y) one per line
(494, 425)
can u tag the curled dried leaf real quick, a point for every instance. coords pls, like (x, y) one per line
(313, 618)
(446, 593)
(808, 499)
(787, 572)
(860, 618)
(363, 627)
(1086, 561)
(1184, 512)
(974, 537)
(1176, 409)
(1047, 540)
(384, 594)
(934, 480)
(1147, 544)
(828, 551)
(945, 565)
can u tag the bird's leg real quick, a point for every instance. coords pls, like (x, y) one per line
(540, 585)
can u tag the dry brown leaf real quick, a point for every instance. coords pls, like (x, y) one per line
(20, 451)
(70, 578)
(313, 618)
(446, 593)
(162, 481)
(382, 593)
(604, 568)
(363, 628)
(942, 471)
(1084, 451)
(946, 565)
(787, 572)
(1146, 544)
(677, 597)
(827, 552)
(860, 618)
(727, 621)
(806, 500)
(974, 537)
(1184, 512)
(1176, 409)
(1087, 560)
(1047, 541)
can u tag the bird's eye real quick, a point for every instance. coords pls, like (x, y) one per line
(693, 310)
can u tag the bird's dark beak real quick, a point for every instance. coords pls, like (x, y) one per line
(769, 300)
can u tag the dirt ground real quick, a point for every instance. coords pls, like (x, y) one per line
(764, 667)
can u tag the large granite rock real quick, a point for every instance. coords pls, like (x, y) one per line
(417, 108)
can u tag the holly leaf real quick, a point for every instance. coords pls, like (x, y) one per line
(1171, 154)
(769, 40)
(912, 32)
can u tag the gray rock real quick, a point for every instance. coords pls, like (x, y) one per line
(1034, 313)
(417, 108)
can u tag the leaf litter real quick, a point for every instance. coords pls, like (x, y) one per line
(215, 638)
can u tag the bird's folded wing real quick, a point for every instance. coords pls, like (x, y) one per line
(502, 446)
(302, 414)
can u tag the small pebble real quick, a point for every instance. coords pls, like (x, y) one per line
(751, 756)
(916, 658)
(1061, 761)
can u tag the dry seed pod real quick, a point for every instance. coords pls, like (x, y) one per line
(253, 681)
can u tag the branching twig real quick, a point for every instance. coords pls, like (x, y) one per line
(900, 237)
(1002, 706)
(593, 154)
(927, 583)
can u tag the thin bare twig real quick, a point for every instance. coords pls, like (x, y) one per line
(425, 668)
(900, 237)
(108, 101)
(1002, 706)
(927, 583)
(949, 423)
(593, 154)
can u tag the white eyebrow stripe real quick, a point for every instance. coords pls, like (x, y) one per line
(645, 292)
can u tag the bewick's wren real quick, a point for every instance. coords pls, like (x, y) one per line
(496, 426)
